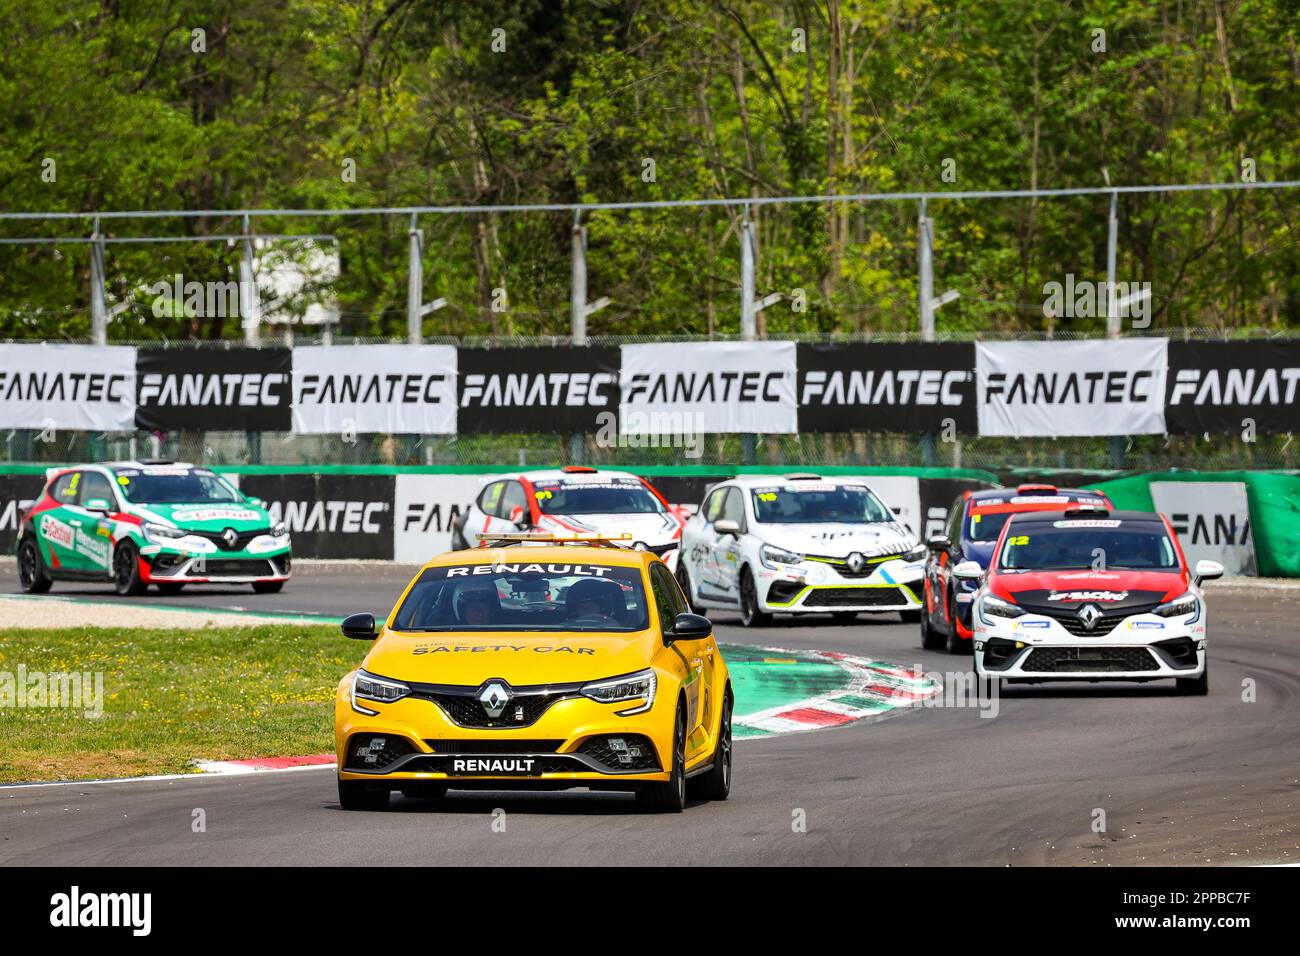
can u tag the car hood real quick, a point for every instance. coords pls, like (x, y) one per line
(519, 658)
(214, 517)
(650, 527)
(981, 552)
(1109, 590)
(836, 540)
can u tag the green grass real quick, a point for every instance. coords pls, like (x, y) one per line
(171, 696)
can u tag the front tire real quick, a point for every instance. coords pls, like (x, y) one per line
(750, 615)
(31, 568)
(932, 639)
(669, 797)
(267, 587)
(955, 643)
(1194, 686)
(355, 795)
(126, 570)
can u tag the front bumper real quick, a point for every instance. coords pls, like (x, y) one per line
(575, 742)
(1141, 648)
(817, 588)
(161, 563)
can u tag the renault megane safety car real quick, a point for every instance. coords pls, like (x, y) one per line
(974, 523)
(137, 523)
(799, 544)
(536, 663)
(1091, 594)
(574, 500)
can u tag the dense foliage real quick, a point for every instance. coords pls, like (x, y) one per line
(121, 104)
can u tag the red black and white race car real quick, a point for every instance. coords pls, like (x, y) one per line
(576, 499)
(975, 521)
(1090, 594)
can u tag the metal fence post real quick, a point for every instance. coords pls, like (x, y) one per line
(98, 313)
(925, 275)
(414, 282)
(748, 324)
(1112, 241)
(249, 306)
(578, 287)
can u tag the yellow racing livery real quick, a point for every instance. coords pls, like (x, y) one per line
(537, 663)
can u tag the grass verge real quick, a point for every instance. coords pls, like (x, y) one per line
(170, 696)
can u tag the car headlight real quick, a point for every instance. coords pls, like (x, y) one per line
(992, 606)
(772, 556)
(161, 532)
(279, 530)
(366, 686)
(916, 554)
(1179, 606)
(639, 686)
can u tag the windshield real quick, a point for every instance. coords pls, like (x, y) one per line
(1097, 544)
(175, 486)
(817, 503)
(987, 527)
(520, 596)
(610, 497)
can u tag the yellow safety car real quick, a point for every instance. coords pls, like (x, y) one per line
(538, 662)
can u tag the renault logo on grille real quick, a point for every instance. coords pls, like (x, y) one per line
(230, 536)
(856, 562)
(494, 698)
(1089, 615)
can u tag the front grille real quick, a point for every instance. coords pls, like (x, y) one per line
(234, 568)
(242, 538)
(375, 751)
(1073, 660)
(854, 597)
(1069, 619)
(508, 746)
(462, 705)
(842, 567)
(635, 753)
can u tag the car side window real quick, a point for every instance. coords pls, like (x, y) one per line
(65, 489)
(955, 514)
(675, 596)
(733, 509)
(713, 504)
(490, 498)
(663, 603)
(95, 485)
(513, 497)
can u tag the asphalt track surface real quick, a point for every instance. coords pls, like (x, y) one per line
(1181, 780)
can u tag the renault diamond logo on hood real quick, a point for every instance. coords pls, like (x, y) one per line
(1089, 615)
(230, 536)
(856, 562)
(494, 698)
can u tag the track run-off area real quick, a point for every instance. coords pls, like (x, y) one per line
(1023, 779)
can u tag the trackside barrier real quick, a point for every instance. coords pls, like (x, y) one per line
(1248, 520)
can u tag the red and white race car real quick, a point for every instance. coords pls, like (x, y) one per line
(576, 499)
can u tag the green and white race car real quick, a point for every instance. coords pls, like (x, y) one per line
(137, 523)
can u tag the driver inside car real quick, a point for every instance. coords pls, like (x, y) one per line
(594, 601)
(478, 607)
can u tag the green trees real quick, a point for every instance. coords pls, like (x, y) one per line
(327, 104)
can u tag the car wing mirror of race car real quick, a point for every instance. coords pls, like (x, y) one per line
(96, 504)
(726, 526)
(939, 542)
(689, 627)
(1208, 570)
(968, 571)
(360, 627)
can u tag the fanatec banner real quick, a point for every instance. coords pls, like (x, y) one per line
(1100, 387)
(1059, 389)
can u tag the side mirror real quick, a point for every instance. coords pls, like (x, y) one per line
(726, 526)
(968, 571)
(101, 504)
(360, 627)
(1208, 570)
(939, 542)
(689, 627)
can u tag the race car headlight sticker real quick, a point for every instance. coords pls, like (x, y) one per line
(773, 557)
(639, 686)
(992, 606)
(1179, 606)
(158, 533)
(366, 686)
